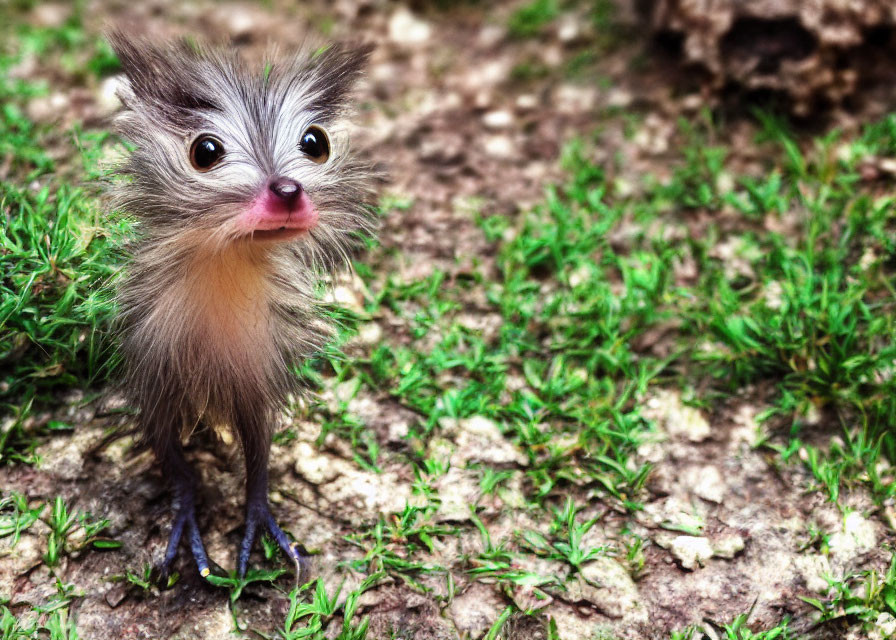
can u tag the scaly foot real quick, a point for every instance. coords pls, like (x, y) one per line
(258, 513)
(184, 521)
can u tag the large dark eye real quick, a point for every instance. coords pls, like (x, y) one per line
(315, 144)
(206, 152)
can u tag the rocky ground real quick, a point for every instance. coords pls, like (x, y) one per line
(459, 128)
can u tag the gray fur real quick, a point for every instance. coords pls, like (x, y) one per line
(212, 322)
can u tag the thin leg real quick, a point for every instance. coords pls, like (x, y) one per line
(258, 514)
(183, 479)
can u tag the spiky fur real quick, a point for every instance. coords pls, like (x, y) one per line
(212, 322)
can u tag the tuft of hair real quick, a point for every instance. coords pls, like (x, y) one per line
(211, 323)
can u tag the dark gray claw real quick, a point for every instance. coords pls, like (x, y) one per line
(258, 513)
(184, 520)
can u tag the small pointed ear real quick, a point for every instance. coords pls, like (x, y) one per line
(337, 69)
(163, 78)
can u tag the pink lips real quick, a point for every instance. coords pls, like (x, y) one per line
(270, 217)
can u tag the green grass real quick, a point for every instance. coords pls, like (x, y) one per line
(58, 261)
(566, 540)
(52, 620)
(814, 313)
(528, 20)
(56, 258)
(737, 629)
(790, 291)
(861, 597)
(73, 531)
(805, 312)
(57, 253)
(864, 602)
(532, 19)
(70, 532)
(16, 516)
(85, 57)
(305, 620)
(562, 332)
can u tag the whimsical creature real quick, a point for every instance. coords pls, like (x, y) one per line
(243, 189)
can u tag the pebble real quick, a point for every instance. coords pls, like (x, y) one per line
(499, 147)
(497, 119)
(116, 595)
(107, 100)
(569, 30)
(398, 430)
(370, 333)
(241, 22)
(813, 568)
(679, 419)
(709, 484)
(405, 28)
(571, 98)
(858, 535)
(475, 609)
(347, 297)
(552, 55)
(691, 551)
(482, 99)
(773, 295)
(693, 102)
(608, 584)
(728, 546)
(48, 108)
(619, 98)
(884, 627)
(725, 182)
(491, 35)
(50, 15)
(526, 102)
(312, 465)
(479, 439)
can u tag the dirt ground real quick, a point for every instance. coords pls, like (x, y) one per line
(442, 113)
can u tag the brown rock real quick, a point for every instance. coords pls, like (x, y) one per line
(810, 51)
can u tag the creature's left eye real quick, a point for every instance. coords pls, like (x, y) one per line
(206, 152)
(315, 144)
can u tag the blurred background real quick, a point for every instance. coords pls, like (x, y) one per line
(619, 365)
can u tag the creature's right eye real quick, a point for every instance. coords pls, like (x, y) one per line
(206, 152)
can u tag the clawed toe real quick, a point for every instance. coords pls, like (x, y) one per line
(184, 522)
(299, 555)
(259, 514)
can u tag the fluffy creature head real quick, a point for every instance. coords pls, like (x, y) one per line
(227, 154)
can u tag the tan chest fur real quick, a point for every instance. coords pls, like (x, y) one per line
(215, 318)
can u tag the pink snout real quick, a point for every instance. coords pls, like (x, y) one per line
(283, 206)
